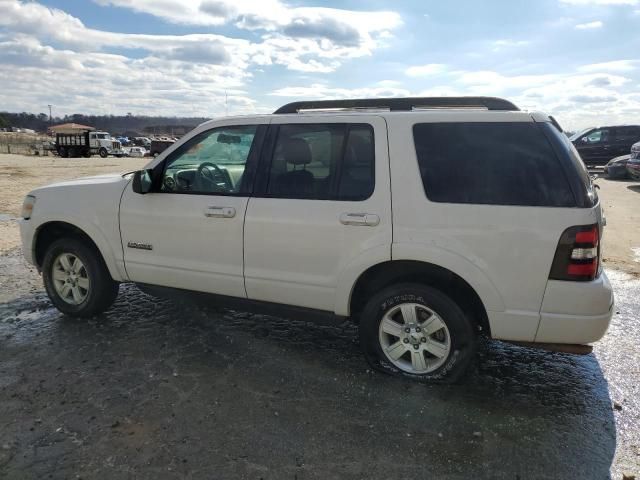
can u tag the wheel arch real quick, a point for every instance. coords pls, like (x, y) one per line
(384, 274)
(51, 231)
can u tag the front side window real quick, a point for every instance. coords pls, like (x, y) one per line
(323, 161)
(597, 136)
(212, 162)
(490, 163)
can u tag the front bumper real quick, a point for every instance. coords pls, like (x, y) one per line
(27, 233)
(575, 312)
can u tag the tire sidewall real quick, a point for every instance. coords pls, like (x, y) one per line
(103, 152)
(91, 263)
(461, 333)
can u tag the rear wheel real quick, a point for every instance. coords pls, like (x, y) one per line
(76, 278)
(64, 153)
(417, 331)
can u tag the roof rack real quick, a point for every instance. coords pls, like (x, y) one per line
(400, 104)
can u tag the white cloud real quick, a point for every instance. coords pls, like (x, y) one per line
(176, 74)
(426, 70)
(339, 26)
(587, 96)
(612, 66)
(313, 41)
(589, 26)
(320, 91)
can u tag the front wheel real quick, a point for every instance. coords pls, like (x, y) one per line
(417, 331)
(103, 152)
(76, 278)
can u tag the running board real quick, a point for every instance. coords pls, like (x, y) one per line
(556, 347)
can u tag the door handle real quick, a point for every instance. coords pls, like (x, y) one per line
(363, 219)
(219, 212)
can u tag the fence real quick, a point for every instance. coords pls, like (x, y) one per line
(24, 143)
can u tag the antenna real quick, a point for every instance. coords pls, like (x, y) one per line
(226, 104)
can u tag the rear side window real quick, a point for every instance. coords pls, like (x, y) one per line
(490, 163)
(332, 161)
(627, 135)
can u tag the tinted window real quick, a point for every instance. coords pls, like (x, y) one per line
(323, 161)
(628, 135)
(211, 162)
(490, 163)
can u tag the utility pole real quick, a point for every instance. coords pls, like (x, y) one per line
(226, 104)
(50, 120)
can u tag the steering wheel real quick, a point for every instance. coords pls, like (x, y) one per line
(211, 177)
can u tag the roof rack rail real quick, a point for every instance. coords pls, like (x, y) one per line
(400, 104)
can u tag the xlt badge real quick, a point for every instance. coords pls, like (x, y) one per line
(141, 246)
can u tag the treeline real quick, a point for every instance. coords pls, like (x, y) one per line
(116, 124)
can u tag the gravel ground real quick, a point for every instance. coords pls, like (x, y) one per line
(156, 389)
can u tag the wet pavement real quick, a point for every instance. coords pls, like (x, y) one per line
(157, 389)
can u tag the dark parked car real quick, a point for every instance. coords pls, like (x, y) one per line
(633, 165)
(159, 146)
(617, 167)
(599, 145)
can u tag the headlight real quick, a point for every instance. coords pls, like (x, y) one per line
(27, 206)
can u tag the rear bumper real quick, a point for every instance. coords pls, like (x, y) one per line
(575, 312)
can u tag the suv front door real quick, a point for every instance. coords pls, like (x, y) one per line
(322, 209)
(595, 146)
(187, 233)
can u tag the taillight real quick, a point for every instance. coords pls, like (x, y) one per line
(577, 257)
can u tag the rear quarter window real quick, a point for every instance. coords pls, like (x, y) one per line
(490, 163)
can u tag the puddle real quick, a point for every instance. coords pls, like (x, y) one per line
(5, 217)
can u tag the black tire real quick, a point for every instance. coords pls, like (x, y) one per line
(103, 152)
(86, 154)
(103, 289)
(73, 153)
(461, 334)
(64, 153)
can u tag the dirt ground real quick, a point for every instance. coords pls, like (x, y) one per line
(19, 174)
(160, 389)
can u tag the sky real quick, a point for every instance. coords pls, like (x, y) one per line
(576, 59)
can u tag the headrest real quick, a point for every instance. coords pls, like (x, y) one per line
(296, 151)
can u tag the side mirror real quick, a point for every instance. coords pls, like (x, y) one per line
(142, 181)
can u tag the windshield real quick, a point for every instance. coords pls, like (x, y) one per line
(576, 136)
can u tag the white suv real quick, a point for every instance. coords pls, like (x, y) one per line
(430, 221)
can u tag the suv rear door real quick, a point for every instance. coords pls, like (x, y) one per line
(322, 205)
(489, 200)
(595, 146)
(625, 137)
